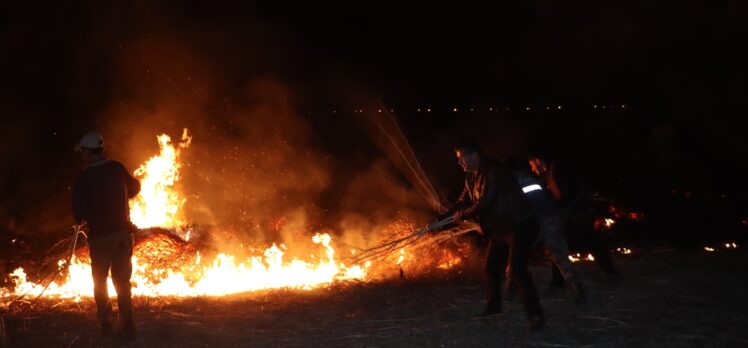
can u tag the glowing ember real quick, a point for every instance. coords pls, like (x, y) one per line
(603, 223)
(619, 213)
(158, 203)
(589, 257)
(578, 257)
(625, 251)
(635, 216)
(448, 261)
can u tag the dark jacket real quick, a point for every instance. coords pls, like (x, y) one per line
(543, 204)
(492, 196)
(100, 197)
(568, 189)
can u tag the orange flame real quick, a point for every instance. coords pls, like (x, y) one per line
(159, 204)
(448, 261)
(402, 256)
(226, 274)
(579, 257)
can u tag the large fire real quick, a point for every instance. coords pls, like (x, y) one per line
(159, 205)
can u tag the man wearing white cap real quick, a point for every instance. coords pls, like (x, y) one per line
(100, 199)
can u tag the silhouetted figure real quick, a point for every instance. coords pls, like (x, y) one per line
(492, 196)
(100, 199)
(578, 208)
(551, 223)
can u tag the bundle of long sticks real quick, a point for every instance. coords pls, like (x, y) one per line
(418, 239)
(445, 236)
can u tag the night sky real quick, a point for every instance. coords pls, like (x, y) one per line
(669, 74)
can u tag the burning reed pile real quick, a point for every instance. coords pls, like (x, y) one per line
(166, 265)
(171, 259)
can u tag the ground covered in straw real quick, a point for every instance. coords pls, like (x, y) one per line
(676, 298)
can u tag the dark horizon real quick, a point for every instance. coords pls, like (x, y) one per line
(674, 66)
(533, 53)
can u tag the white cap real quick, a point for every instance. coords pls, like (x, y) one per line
(91, 140)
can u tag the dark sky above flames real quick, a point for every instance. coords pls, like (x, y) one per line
(237, 71)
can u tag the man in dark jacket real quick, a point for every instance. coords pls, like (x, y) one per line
(577, 206)
(100, 199)
(492, 196)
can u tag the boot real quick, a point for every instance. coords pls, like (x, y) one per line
(576, 289)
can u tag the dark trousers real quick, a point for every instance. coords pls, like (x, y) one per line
(113, 251)
(513, 247)
(554, 243)
(581, 232)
